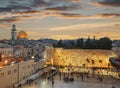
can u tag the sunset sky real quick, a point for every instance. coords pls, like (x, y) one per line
(61, 19)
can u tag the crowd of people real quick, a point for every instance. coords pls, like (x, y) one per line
(65, 77)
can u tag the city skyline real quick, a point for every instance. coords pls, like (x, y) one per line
(61, 19)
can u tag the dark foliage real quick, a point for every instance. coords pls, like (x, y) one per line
(102, 43)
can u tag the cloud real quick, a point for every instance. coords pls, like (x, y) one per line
(29, 12)
(66, 28)
(37, 3)
(104, 15)
(75, 0)
(61, 11)
(19, 16)
(112, 35)
(5, 9)
(70, 15)
(14, 5)
(66, 15)
(115, 3)
(63, 36)
(83, 27)
(28, 9)
(2, 25)
(96, 16)
(66, 7)
(116, 25)
(79, 16)
(18, 7)
(33, 33)
(8, 20)
(71, 0)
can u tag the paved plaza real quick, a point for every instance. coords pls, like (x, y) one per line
(86, 83)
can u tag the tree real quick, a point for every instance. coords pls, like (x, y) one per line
(71, 45)
(104, 43)
(88, 44)
(60, 44)
(80, 43)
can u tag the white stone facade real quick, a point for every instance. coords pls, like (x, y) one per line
(15, 73)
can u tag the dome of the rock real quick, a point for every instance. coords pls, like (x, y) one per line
(22, 35)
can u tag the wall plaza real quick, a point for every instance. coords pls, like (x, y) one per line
(80, 60)
(66, 60)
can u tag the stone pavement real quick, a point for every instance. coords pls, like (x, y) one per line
(87, 83)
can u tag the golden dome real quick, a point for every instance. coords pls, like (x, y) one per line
(22, 35)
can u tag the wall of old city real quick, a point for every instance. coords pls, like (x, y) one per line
(82, 57)
(12, 74)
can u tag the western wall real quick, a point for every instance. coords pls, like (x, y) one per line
(82, 57)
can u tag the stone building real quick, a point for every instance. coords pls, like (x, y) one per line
(18, 73)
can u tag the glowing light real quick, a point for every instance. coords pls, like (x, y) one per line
(44, 84)
(10, 55)
(32, 57)
(13, 62)
(6, 61)
(3, 56)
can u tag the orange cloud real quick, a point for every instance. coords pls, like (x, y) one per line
(82, 26)
(29, 12)
(9, 20)
(2, 25)
(68, 7)
(18, 17)
(111, 35)
(108, 15)
(63, 37)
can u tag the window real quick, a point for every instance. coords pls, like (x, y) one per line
(32, 65)
(15, 70)
(24, 67)
(28, 66)
(9, 72)
(2, 74)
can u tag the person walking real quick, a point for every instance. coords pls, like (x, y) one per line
(82, 77)
(52, 83)
(113, 86)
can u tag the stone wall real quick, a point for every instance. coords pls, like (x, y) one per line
(82, 57)
(49, 55)
(15, 73)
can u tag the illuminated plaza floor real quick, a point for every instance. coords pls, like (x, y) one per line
(87, 83)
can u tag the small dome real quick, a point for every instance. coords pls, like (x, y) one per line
(22, 35)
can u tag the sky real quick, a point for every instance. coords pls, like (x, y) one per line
(61, 19)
